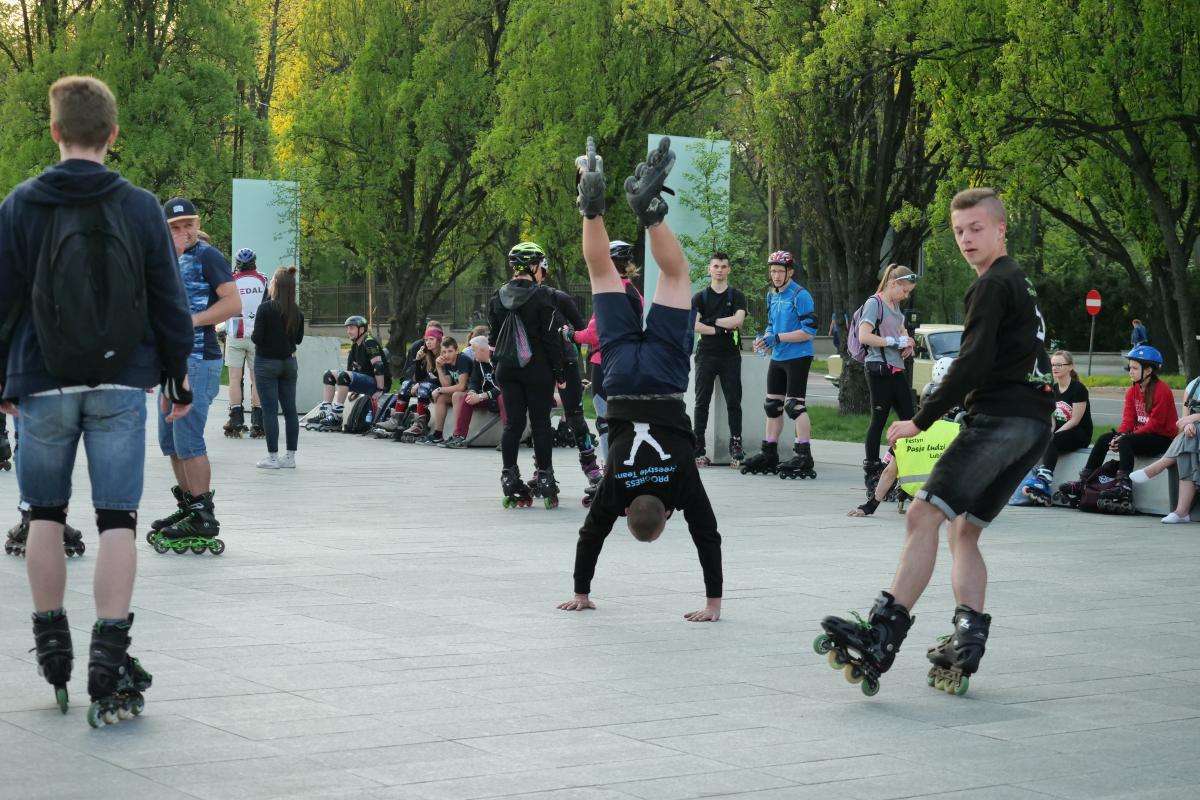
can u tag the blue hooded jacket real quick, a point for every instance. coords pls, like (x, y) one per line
(24, 215)
(790, 309)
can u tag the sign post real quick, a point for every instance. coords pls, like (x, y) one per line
(1092, 304)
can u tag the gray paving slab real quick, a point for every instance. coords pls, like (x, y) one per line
(379, 628)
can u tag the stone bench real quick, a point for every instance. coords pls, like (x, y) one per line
(1156, 496)
(485, 427)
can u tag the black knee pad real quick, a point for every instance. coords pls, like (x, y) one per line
(108, 519)
(49, 514)
(774, 407)
(794, 406)
(343, 379)
(329, 379)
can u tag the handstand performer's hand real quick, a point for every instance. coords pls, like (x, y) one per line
(579, 603)
(710, 613)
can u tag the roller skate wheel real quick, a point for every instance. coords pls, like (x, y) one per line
(93, 714)
(124, 713)
(198, 549)
(137, 705)
(960, 688)
(853, 674)
(744, 470)
(150, 536)
(835, 659)
(822, 644)
(216, 547)
(159, 547)
(551, 502)
(870, 687)
(60, 696)
(929, 679)
(508, 502)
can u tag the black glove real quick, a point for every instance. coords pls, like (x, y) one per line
(173, 387)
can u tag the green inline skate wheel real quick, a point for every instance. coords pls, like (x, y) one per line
(822, 644)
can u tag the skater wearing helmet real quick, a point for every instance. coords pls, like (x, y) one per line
(367, 372)
(1002, 371)
(1184, 453)
(1147, 428)
(239, 344)
(1072, 426)
(651, 470)
(529, 364)
(791, 326)
(720, 312)
(881, 331)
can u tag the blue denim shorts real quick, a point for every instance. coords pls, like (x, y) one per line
(184, 438)
(980, 469)
(361, 383)
(641, 361)
(112, 423)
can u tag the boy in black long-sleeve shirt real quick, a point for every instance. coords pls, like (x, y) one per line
(1004, 374)
(651, 471)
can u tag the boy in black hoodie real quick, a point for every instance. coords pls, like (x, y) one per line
(111, 416)
(651, 468)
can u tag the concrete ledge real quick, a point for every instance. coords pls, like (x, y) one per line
(314, 357)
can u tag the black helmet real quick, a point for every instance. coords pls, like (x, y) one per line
(620, 251)
(356, 320)
(525, 256)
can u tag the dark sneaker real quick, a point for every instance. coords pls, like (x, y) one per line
(454, 442)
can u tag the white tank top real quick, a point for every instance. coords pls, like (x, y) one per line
(252, 287)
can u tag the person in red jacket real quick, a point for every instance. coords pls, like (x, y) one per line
(1148, 422)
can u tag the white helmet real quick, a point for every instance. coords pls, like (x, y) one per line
(940, 368)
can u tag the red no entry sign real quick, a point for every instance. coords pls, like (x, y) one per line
(1092, 302)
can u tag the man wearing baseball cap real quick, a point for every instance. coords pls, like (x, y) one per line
(213, 298)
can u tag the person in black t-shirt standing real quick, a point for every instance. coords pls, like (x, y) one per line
(1003, 372)
(720, 311)
(651, 470)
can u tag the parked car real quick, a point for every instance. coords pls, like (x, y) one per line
(933, 341)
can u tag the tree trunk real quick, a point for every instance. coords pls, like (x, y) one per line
(854, 397)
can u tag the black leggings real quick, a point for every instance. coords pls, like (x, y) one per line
(1067, 441)
(572, 405)
(527, 392)
(887, 392)
(1131, 444)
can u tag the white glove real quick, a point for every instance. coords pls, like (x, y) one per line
(890, 341)
(903, 342)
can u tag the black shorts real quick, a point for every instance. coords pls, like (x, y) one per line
(637, 360)
(980, 469)
(789, 378)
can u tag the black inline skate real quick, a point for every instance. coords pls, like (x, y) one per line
(516, 491)
(872, 470)
(865, 649)
(52, 643)
(702, 459)
(115, 679)
(736, 454)
(182, 501)
(544, 486)
(644, 188)
(589, 494)
(589, 180)
(331, 421)
(1070, 493)
(18, 537)
(419, 428)
(236, 425)
(591, 470)
(256, 423)
(956, 656)
(198, 531)
(765, 462)
(1117, 496)
(6, 453)
(799, 465)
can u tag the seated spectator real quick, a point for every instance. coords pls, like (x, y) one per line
(452, 369)
(478, 330)
(1184, 451)
(367, 372)
(418, 379)
(481, 392)
(1072, 425)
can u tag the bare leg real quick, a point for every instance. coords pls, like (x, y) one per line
(601, 270)
(235, 386)
(327, 393)
(920, 553)
(440, 406)
(116, 566)
(254, 401)
(180, 474)
(674, 289)
(340, 395)
(886, 480)
(803, 427)
(1187, 495)
(968, 575)
(1159, 466)
(774, 425)
(46, 564)
(198, 474)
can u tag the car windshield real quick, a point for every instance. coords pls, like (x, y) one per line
(945, 343)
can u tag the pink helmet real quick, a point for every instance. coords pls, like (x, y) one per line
(783, 258)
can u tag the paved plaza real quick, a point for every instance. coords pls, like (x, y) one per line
(379, 627)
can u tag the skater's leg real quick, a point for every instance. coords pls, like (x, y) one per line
(45, 560)
(540, 396)
(517, 408)
(177, 470)
(197, 474)
(116, 567)
(674, 288)
(919, 555)
(796, 391)
(235, 386)
(1139, 444)
(881, 404)
(1099, 451)
(968, 575)
(601, 270)
(600, 403)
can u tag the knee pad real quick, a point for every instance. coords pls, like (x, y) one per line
(343, 379)
(329, 379)
(49, 514)
(774, 407)
(424, 392)
(576, 421)
(794, 406)
(108, 519)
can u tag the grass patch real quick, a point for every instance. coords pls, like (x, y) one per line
(1122, 381)
(827, 423)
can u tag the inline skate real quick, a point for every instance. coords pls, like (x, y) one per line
(236, 425)
(6, 453)
(55, 656)
(1070, 493)
(115, 679)
(956, 656)
(18, 536)
(197, 531)
(590, 466)
(799, 465)
(702, 459)
(415, 431)
(872, 470)
(312, 422)
(865, 649)
(1037, 487)
(544, 486)
(256, 423)
(736, 454)
(1117, 496)
(516, 491)
(765, 462)
(643, 189)
(182, 501)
